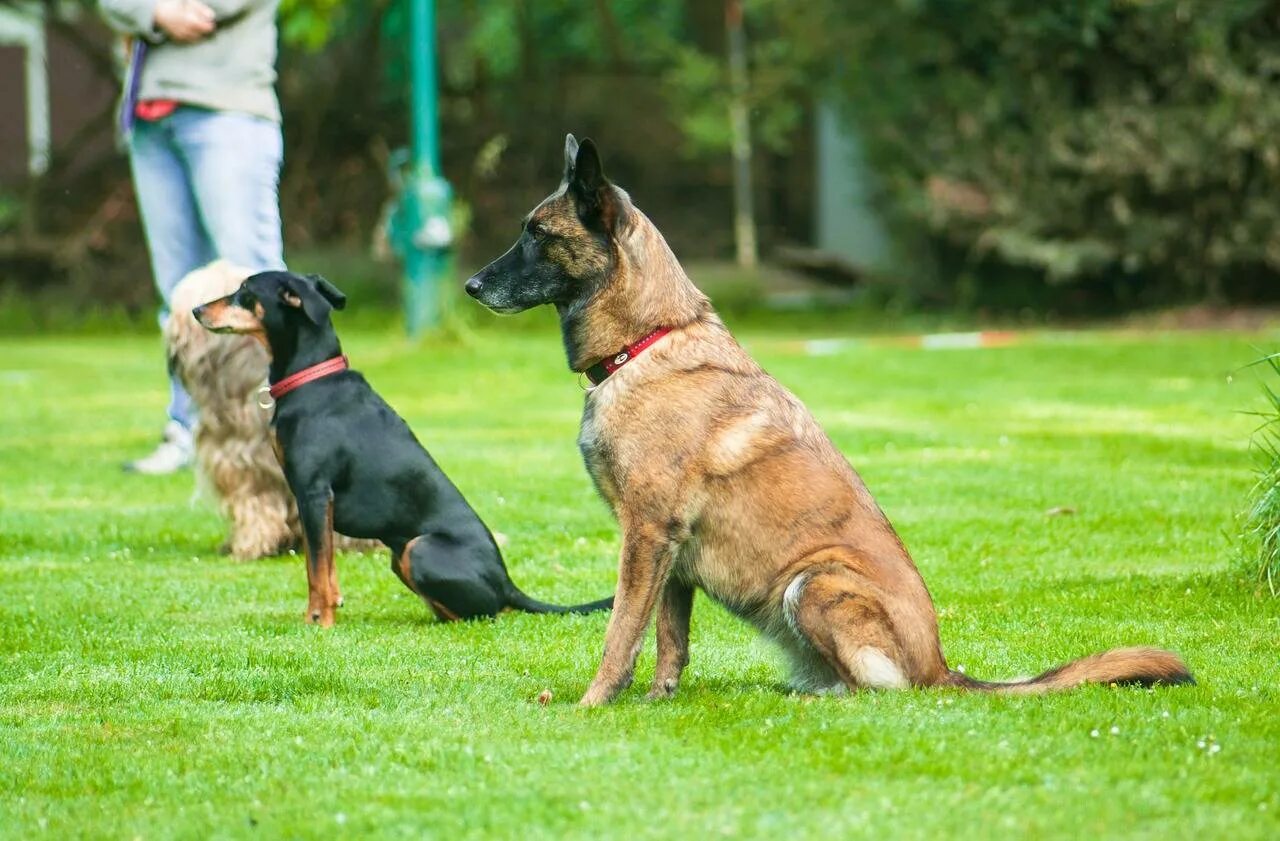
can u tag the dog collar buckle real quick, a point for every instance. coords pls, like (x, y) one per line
(600, 371)
(265, 400)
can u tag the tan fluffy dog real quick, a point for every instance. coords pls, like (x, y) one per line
(223, 373)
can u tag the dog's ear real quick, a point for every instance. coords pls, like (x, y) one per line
(570, 156)
(330, 292)
(588, 173)
(302, 294)
(598, 205)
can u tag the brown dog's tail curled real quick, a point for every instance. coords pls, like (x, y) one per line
(1132, 666)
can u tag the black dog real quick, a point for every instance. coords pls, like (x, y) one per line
(354, 465)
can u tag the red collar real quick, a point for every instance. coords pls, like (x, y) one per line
(600, 371)
(306, 375)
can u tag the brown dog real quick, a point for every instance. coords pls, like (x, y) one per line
(720, 477)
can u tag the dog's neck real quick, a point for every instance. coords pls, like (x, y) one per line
(646, 289)
(309, 345)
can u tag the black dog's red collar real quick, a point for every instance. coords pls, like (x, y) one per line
(306, 375)
(600, 371)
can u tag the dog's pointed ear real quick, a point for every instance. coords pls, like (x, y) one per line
(588, 172)
(570, 156)
(598, 204)
(331, 293)
(301, 294)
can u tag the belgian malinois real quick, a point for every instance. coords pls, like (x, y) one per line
(720, 478)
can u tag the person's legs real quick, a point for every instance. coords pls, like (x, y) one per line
(234, 160)
(207, 185)
(177, 244)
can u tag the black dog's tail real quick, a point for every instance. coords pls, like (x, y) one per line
(527, 603)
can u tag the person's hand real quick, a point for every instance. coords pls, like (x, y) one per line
(184, 20)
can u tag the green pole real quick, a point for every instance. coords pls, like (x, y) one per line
(420, 228)
(422, 52)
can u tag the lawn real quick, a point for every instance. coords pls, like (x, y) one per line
(151, 688)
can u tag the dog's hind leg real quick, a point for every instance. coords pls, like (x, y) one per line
(840, 614)
(674, 610)
(449, 585)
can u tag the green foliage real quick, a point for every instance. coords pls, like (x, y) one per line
(1262, 524)
(1082, 139)
(10, 210)
(502, 39)
(310, 24)
(787, 53)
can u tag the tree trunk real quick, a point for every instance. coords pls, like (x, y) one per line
(744, 217)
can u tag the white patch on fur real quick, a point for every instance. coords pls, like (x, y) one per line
(872, 669)
(791, 601)
(738, 442)
(810, 674)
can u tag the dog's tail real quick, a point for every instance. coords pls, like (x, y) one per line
(522, 601)
(1137, 666)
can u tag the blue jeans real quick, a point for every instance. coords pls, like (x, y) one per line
(207, 188)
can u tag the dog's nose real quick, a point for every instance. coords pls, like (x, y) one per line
(197, 312)
(473, 287)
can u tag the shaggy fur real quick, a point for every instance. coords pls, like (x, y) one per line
(232, 437)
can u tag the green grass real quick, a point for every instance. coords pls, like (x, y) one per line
(1262, 522)
(149, 687)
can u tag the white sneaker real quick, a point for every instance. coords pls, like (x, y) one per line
(173, 454)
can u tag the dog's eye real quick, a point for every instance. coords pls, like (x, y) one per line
(246, 300)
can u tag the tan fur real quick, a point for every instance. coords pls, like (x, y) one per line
(234, 454)
(323, 595)
(722, 480)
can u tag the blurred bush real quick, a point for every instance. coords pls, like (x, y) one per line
(1128, 144)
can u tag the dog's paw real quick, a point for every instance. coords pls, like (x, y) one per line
(322, 616)
(596, 696)
(662, 690)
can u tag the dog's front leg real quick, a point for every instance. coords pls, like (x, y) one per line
(642, 571)
(673, 637)
(316, 511)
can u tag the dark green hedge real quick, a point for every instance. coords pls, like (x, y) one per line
(1119, 144)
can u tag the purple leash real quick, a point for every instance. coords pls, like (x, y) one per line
(133, 76)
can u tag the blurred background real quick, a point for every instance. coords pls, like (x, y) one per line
(1067, 158)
